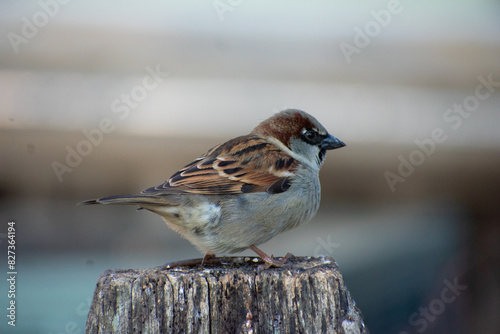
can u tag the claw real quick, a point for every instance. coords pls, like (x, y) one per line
(270, 261)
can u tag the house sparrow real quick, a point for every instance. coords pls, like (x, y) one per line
(245, 191)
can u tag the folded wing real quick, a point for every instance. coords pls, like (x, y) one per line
(242, 165)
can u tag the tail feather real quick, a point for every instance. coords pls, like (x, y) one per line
(131, 200)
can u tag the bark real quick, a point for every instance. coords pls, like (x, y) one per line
(307, 295)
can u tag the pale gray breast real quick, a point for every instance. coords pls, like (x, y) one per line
(308, 191)
(255, 218)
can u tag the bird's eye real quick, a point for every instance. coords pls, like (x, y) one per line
(311, 136)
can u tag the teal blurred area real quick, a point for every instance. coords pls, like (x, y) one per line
(110, 98)
(62, 257)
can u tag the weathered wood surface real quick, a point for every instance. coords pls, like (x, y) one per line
(307, 295)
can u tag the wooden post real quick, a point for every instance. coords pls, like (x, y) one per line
(307, 295)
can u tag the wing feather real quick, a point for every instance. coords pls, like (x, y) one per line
(242, 165)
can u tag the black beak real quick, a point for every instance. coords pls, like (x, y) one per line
(330, 143)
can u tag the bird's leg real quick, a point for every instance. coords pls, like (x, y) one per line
(207, 257)
(191, 262)
(183, 263)
(269, 260)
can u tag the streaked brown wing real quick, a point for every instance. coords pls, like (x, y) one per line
(242, 165)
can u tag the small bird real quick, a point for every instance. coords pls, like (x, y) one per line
(243, 192)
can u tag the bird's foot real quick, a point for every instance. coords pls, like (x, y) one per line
(208, 258)
(270, 261)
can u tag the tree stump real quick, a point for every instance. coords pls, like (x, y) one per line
(307, 295)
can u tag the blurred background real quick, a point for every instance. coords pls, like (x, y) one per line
(103, 98)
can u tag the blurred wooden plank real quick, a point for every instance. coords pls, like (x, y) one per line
(124, 164)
